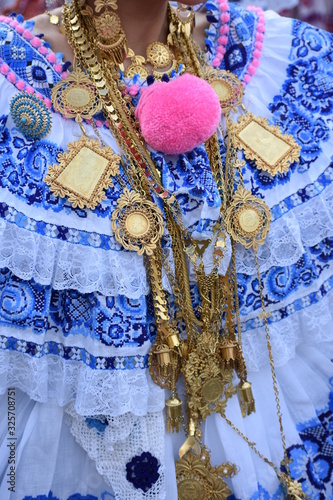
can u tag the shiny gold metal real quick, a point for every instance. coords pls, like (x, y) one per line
(266, 144)
(246, 400)
(84, 173)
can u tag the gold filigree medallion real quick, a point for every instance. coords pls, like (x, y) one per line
(227, 86)
(137, 223)
(248, 219)
(84, 173)
(266, 144)
(198, 480)
(76, 97)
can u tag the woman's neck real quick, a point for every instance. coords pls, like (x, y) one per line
(144, 22)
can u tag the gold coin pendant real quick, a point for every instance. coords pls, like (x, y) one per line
(212, 390)
(249, 220)
(137, 224)
(190, 489)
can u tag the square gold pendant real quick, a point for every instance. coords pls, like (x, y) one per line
(266, 144)
(84, 173)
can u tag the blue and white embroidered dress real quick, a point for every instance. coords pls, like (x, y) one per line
(76, 318)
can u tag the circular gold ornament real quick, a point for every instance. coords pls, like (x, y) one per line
(158, 54)
(212, 390)
(248, 219)
(78, 97)
(136, 69)
(190, 489)
(75, 97)
(137, 223)
(31, 116)
(227, 86)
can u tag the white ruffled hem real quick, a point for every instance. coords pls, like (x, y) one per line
(94, 392)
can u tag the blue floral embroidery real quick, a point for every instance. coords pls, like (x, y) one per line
(241, 39)
(50, 496)
(142, 471)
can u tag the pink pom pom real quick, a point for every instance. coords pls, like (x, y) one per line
(257, 54)
(259, 37)
(48, 102)
(29, 89)
(2, 18)
(225, 17)
(177, 116)
(11, 77)
(52, 58)
(223, 40)
(58, 68)
(27, 35)
(216, 62)
(261, 27)
(20, 29)
(64, 75)
(43, 50)
(39, 96)
(247, 78)
(4, 68)
(224, 30)
(36, 42)
(99, 123)
(258, 45)
(256, 62)
(134, 89)
(251, 69)
(14, 23)
(20, 84)
(224, 7)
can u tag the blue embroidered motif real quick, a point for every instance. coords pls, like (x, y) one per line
(142, 471)
(99, 424)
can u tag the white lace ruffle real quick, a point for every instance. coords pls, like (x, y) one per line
(123, 439)
(310, 325)
(94, 392)
(304, 226)
(70, 266)
(59, 264)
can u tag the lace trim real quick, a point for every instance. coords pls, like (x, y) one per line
(57, 263)
(309, 325)
(53, 262)
(304, 226)
(93, 392)
(114, 442)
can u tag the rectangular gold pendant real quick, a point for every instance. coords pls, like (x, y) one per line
(84, 173)
(266, 144)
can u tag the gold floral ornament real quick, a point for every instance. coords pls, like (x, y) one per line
(227, 86)
(198, 480)
(208, 388)
(248, 219)
(137, 223)
(76, 97)
(266, 144)
(105, 4)
(293, 488)
(84, 173)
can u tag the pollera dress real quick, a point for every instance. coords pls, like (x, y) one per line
(76, 315)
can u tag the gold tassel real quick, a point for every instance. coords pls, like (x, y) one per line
(174, 413)
(228, 351)
(245, 397)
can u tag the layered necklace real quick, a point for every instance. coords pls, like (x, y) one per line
(201, 344)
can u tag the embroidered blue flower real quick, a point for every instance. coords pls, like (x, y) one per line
(142, 471)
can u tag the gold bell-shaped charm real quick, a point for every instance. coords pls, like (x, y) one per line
(174, 413)
(170, 335)
(246, 399)
(228, 352)
(163, 354)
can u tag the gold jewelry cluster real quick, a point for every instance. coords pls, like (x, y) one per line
(202, 344)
